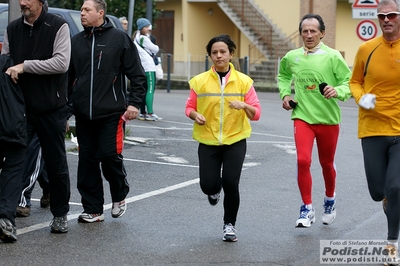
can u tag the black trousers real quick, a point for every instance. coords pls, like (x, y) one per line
(230, 159)
(100, 151)
(50, 128)
(382, 167)
(10, 178)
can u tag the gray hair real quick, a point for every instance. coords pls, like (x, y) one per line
(388, 2)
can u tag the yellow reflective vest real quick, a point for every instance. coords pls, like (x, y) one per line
(224, 125)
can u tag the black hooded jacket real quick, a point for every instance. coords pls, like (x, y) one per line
(101, 57)
(12, 108)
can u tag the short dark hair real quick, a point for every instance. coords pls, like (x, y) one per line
(317, 17)
(221, 38)
(100, 5)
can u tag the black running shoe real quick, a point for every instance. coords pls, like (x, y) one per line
(59, 225)
(213, 199)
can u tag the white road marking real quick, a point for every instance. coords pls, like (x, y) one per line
(173, 161)
(108, 206)
(289, 148)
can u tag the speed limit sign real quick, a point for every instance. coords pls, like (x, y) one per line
(366, 30)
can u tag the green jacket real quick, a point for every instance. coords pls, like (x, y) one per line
(307, 72)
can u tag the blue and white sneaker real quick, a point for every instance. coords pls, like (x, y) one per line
(306, 218)
(329, 214)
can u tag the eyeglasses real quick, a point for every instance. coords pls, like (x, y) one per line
(390, 15)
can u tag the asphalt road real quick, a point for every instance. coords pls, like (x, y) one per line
(169, 220)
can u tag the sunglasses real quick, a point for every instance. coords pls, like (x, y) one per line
(390, 15)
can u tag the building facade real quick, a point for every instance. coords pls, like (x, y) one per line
(187, 25)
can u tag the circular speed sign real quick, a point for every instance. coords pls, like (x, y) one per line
(366, 30)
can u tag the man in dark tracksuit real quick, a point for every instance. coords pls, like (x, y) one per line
(39, 44)
(101, 58)
(34, 170)
(12, 150)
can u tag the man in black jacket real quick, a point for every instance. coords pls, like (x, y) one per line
(12, 150)
(101, 58)
(40, 46)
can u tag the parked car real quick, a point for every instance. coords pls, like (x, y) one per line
(73, 18)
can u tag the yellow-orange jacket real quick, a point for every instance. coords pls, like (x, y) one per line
(224, 125)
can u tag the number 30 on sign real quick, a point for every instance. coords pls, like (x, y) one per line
(366, 30)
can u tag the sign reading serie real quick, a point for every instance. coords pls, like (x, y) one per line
(363, 9)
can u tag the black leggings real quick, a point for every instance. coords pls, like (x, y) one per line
(382, 169)
(230, 158)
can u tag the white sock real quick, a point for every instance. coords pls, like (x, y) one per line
(393, 242)
(330, 198)
(309, 206)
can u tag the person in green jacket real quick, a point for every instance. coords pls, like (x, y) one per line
(320, 76)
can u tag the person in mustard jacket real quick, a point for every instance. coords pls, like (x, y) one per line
(222, 102)
(375, 85)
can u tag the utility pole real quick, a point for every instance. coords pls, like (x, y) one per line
(149, 14)
(149, 10)
(14, 10)
(130, 16)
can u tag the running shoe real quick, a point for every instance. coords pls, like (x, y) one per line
(45, 201)
(141, 117)
(213, 199)
(306, 218)
(392, 257)
(23, 211)
(229, 233)
(8, 232)
(153, 117)
(118, 209)
(59, 225)
(90, 218)
(329, 214)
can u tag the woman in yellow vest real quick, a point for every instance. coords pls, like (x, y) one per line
(222, 102)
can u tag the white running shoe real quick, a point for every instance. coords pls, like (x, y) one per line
(153, 117)
(118, 209)
(229, 233)
(329, 214)
(306, 218)
(90, 218)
